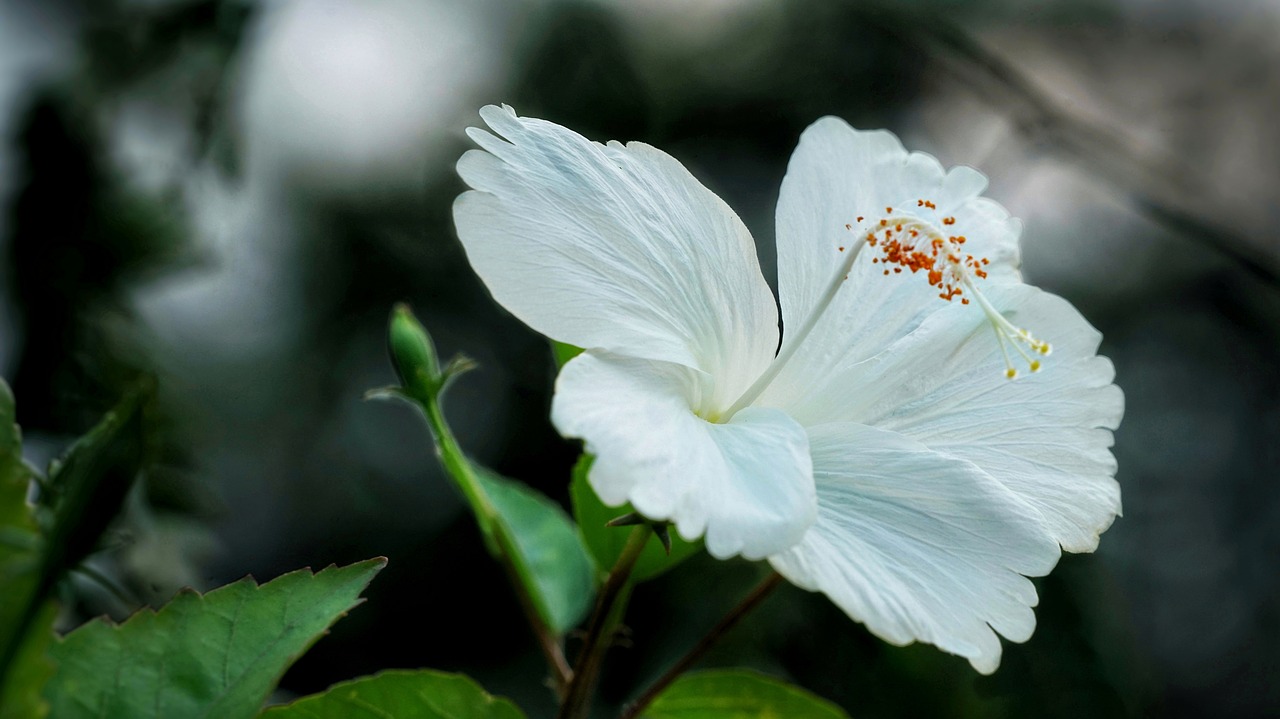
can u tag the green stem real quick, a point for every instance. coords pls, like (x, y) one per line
(455, 462)
(610, 606)
(682, 665)
(457, 465)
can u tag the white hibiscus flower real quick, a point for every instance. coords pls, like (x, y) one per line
(881, 455)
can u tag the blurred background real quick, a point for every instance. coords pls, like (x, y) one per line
(231, 195)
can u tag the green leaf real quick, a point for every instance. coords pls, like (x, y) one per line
(21, 689)
(20, 546)
(738, 694)
(89, 485)
(19, 534)
(606, 543)
(218, 655)
(563, 352)
(422, 694)
(549, 557)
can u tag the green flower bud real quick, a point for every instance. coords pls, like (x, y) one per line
(413, 353)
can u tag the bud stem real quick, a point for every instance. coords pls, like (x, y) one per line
(414, 357)
(459, 467)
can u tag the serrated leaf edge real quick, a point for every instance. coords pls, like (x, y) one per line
(204, 596)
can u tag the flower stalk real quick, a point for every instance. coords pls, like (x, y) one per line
(691, 657)
(610, 605)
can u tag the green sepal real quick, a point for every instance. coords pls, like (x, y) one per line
(562, 352)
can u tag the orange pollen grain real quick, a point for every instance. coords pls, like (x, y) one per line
(940, 258)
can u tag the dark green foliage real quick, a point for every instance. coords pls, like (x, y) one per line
(22, 687)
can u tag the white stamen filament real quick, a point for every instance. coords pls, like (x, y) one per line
(792, 341)
(953, 267)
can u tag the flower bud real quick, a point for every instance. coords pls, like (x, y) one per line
(412, 353)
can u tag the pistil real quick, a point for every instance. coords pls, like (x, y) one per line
(908, 242)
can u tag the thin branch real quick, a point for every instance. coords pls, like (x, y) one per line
(604, 618)
(682, 665)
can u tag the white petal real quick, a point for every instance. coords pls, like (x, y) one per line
(746, 484)
(1046, 436)
(919, 546)
(616, 248)
(837, 174)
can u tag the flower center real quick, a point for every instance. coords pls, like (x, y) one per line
(905, 241)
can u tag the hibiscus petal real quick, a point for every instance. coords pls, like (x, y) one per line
(919, 546)
(1046, 436)
(746, 484)
(614, 247)
(838, 174)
